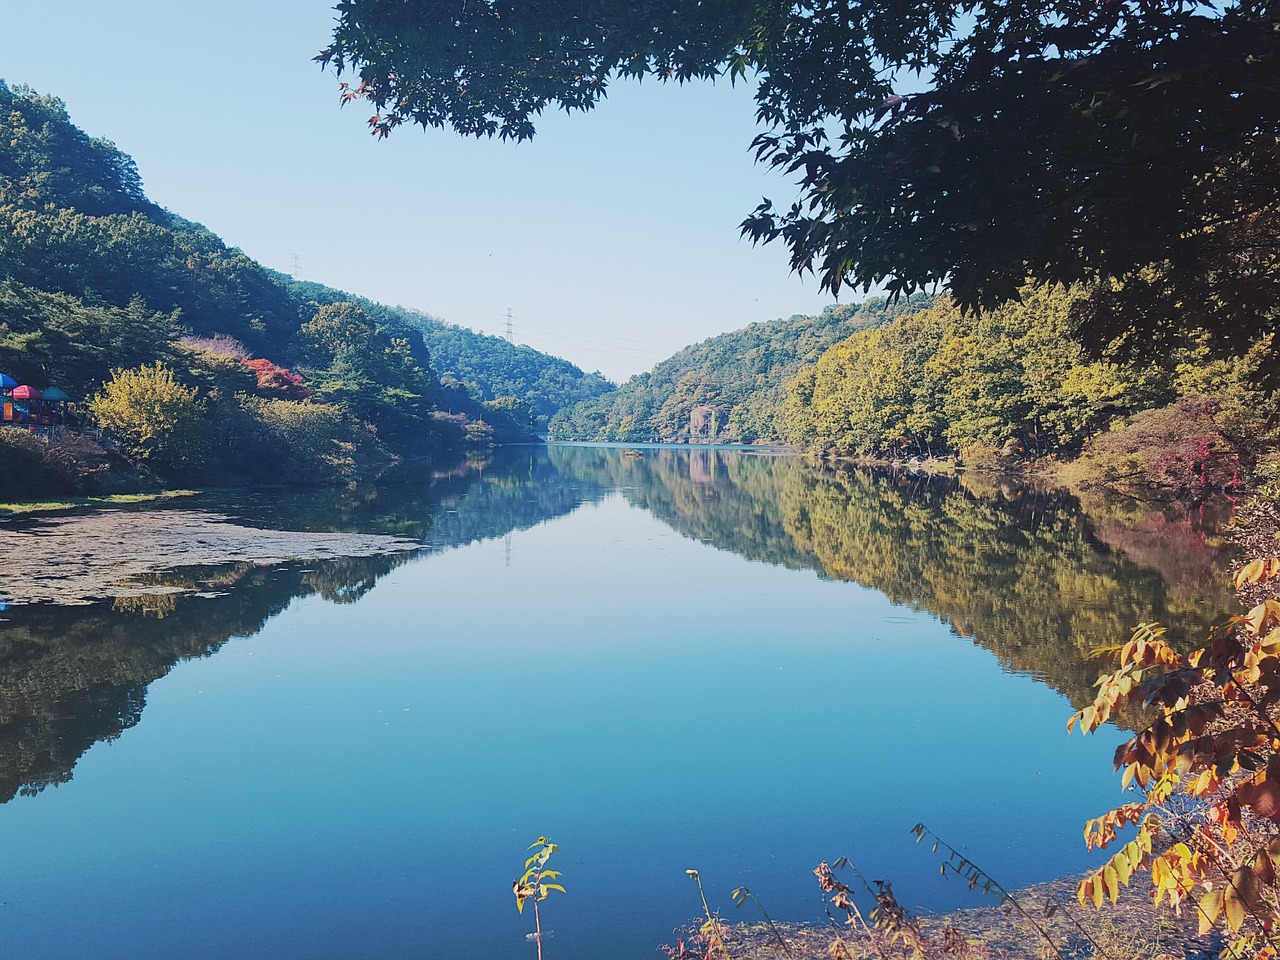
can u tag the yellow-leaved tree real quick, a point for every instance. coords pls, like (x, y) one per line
(153, 418)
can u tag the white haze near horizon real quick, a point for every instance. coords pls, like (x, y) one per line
(612, 238)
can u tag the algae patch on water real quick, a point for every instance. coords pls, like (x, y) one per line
(109, 554)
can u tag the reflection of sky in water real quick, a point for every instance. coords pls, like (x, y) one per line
(362, 779)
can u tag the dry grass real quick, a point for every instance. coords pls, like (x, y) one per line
(1131, 929)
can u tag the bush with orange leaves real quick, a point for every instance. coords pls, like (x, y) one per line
(1207, 768)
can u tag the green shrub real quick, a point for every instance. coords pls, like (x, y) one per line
(300, 442)
(72, 465)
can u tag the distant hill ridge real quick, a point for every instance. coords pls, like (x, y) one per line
(485, 366)
(729, 387)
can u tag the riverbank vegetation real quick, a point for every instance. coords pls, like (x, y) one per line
(184, 358)
(1001, 388)
(1014, 384)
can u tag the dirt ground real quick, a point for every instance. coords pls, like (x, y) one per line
(83, 558)
(1131, 929)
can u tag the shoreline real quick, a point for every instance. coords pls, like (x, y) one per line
(1130, 929)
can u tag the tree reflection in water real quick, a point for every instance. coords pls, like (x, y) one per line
(1032, 575)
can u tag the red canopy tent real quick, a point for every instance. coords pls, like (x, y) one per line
(24, 405)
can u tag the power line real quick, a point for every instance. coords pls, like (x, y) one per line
(588, 344)
(597, 349)
(604, 336)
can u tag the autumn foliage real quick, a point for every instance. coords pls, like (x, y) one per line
(277, 381)
(1179, 447)
(1207, 768)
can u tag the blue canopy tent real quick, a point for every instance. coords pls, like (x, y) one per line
(54, 406)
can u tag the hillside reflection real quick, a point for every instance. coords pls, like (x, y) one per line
(1032, 575)
(73, 676)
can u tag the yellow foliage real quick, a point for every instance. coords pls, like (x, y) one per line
(152, 416)
(1215, 737)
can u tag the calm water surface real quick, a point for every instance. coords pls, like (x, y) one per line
(687, 659)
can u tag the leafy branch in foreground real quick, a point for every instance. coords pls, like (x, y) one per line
(1207, 769)
(931, 141)
(534, 883)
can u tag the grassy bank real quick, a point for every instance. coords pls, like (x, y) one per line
(22, 507)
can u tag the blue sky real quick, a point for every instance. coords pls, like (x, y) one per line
(612, 237)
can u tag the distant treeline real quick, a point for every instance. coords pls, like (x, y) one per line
(95, 278)
(473, 366)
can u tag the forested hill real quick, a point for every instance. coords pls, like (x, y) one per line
(729, 387)
(490, 367)
(484, 366)
(95, 277)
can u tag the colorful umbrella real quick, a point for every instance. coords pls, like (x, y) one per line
(26, 393)
(7, 382)
(53, 393)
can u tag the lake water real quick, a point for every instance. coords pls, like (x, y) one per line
(688, 659)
